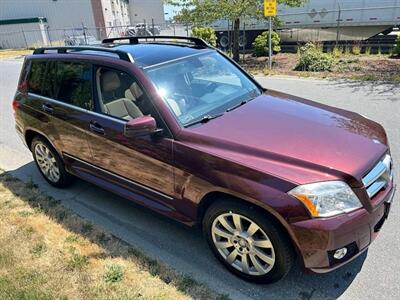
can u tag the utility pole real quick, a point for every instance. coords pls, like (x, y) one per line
(338, 24)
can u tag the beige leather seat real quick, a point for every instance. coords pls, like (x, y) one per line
(134, 92)
(123, 108)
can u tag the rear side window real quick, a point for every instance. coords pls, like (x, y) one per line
(36, 77)
(69, 82)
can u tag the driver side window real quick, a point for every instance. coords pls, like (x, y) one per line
(120, 95)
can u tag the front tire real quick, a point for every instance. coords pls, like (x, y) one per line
(248, 242)
(49, 163)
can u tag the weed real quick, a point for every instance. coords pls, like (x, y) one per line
(87, 227)
(38, 249)
(25, 213)
(30, 184)
(356, 50)
(73, 238)
(103, 238)
(186, 283)
(77, 262)
(114, 273)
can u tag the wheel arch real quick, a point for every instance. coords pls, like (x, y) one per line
(30, 134)
(211, 197)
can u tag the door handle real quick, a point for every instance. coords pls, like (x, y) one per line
(96, 127)
(47, 108)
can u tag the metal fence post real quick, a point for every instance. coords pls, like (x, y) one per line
(270, 43)
(84, 34)
(48, 34)
(24, 36)
(244, 40)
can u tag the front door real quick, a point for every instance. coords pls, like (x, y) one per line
(145, 162)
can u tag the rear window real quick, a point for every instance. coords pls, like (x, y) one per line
(69, 82)
(36, 77)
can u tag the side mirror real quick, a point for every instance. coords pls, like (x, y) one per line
(140, 126)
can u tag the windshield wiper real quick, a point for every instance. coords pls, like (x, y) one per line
(240, 104)
(237, 105)
(204, 119)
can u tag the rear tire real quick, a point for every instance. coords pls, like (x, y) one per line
(49, 163)
(248, 242)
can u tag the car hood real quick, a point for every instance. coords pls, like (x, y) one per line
(294, 138)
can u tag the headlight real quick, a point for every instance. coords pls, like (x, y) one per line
(326, 199)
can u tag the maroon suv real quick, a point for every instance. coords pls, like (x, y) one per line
(175, 125)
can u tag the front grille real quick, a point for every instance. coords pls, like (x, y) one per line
(379, 177)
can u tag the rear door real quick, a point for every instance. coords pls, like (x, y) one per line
(66, 99)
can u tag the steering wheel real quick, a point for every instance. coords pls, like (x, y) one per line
(189, 101)
(210, 87)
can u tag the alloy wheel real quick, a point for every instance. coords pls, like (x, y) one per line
(243, 244)
(47, 162)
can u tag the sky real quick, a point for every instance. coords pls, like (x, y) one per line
(171, 10)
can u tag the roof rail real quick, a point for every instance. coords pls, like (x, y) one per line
(198, 42)
(121, 54)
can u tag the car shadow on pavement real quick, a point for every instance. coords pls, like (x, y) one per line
(370, 88)
(177, 245)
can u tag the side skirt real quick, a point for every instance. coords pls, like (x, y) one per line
(136, 192)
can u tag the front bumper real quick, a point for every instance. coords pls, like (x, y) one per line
(317, 239)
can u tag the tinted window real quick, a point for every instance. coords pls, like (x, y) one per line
(36, 77)
(70, 82)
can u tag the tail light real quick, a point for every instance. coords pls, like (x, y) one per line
(15, 105)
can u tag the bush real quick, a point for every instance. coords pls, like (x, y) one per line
(260, 44)
(396, 50)
(337, 52)
(314, 59)
(205, 33)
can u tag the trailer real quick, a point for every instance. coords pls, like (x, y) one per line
(322, 21)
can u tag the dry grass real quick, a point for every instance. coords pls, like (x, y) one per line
(48, 252)
(12, 53)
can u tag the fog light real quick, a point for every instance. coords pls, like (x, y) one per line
(340, 253)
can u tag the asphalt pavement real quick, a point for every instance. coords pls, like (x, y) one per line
(374, 275)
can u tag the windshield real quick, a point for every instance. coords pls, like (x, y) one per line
(201, 86)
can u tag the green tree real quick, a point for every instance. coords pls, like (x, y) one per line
(200, 12)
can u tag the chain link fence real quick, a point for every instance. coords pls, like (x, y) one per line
(41, 36)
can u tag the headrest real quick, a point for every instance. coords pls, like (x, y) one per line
(134, 92)
(110, 81)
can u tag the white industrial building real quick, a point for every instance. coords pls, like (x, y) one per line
(147, 11)
(32, 23)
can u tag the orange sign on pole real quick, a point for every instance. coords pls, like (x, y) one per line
(270, 8)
